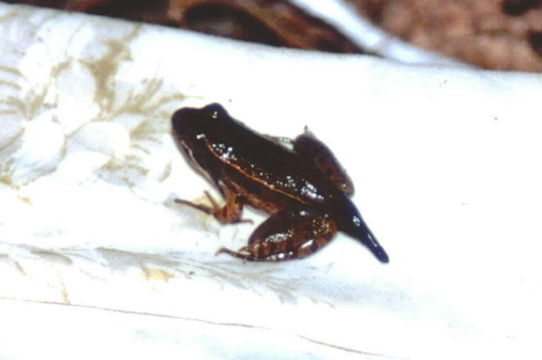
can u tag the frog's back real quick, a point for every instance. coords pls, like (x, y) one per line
(272, 165)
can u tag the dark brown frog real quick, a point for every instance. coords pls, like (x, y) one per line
(302, 187)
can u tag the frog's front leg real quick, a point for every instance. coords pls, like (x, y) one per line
(288, 234)
(227, 214)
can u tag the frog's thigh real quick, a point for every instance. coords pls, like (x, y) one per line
(309, 147)
(288, 235)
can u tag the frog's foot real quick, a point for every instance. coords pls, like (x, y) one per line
(227, 214)
(289, 234)
(241, 254)
(203, 208)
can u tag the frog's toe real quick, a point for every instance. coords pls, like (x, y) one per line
(254, 253)
(243, 253)
(224, 250)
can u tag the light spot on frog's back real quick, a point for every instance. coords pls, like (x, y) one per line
(310, 191)
(224, 152)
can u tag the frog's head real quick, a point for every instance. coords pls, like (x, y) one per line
(194, 128)
(190, 124)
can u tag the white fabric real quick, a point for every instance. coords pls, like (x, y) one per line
(97, 261)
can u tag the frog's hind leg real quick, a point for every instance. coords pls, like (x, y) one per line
(288, 234)
(315, 151)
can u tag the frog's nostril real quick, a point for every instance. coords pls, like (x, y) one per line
(178, 117)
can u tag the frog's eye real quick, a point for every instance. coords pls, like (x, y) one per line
(215, 110)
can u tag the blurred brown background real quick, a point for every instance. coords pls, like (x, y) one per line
(493, 34)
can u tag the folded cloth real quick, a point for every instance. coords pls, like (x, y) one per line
(100, 259)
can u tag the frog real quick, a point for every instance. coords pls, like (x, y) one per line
(298, 183)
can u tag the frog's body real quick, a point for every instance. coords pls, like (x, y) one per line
(304, 189)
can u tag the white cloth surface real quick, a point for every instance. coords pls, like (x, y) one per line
(97, 261)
